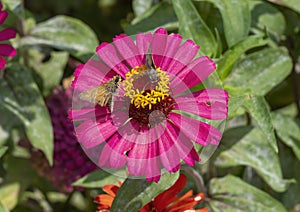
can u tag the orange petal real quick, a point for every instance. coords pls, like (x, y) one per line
(104, 199)
(165, 198)
(111, 189)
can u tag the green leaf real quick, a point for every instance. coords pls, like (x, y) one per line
(293, 4)
(253, 150)
(226, 63)
(288, 130)
(64, 33)
(98, 179)
(9, 195)
(261, 71)
(141, 6)
(230, 194)
(265, 16)
(160, 15)
(135, 193)
(3, 150)
(236, 19)
(16, 6)
(259, 111)
(29, 106)
(49, 73)
(2, 209)
(192, 26)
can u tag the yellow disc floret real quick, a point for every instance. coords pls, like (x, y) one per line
(141, 96)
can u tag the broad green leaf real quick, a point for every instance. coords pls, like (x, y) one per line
(141, 6)
(226, 63)
(3, 150)
(253, 150)
(9, 195)
(2, 209)
(98, 179)
(288, 131)
(49, 73)
(16, 6)
(259, 111)
(135, 193)
(231, 194)
(64, 33)
(293, 4)
(265, 16)
(160, 15)
(30, 108)
(236, 19)
(262, 70)
(192, 26)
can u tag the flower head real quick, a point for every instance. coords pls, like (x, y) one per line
(5, 34)
(167, 201)
(70, 162)
(150, 119)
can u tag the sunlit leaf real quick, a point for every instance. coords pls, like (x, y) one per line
(226, 63)
(293, 4)
(253, 150)
(259, 111)
(49, 73)
(98, 179)
(64, 33)
(3, 150)
(236, 19)
(23, 98)
(192, 26)
(135, 193)
(261, 71)
(230, 194)
(288, 130)
(160, 15)
(141, 6)
(9, 195)
(265, 16)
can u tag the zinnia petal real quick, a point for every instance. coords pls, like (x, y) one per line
(7, 50)
(7, 34)
(128, 50)
(109, 55)
(212, 103)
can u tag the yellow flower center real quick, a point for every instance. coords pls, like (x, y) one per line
(143, 90)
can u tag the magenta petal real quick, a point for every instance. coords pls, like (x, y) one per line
(7, 34)
(3, 16)
(173, 41)
(212, 103)
(119, 146)
(89, 113)
(184, 146)
(91, 75)
(183, 57)
(168, 152)
(199, 70)
(2, 62)
(109, 55)
(7, 50)
(91, 133)
(137, 165)
(143, 41)
(128, 50)
(197, 131)
(158, 45)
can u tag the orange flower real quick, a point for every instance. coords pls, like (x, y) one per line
(167, 201)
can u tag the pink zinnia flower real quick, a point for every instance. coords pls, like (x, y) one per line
(5, 34)
(147, 124)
